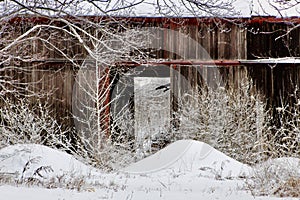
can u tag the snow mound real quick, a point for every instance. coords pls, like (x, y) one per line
(190, 156)
(25, 160)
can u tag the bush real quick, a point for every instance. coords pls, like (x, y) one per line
(279, 177)
(231, 120)
(23, 122)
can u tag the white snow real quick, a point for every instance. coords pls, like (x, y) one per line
(290, 8)
(14, 158)
(242, 8)
(169, 8)
(288, 60)
(189, 170)
(190, 156)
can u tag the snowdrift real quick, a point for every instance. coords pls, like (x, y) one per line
(24, 160)
(190, 156)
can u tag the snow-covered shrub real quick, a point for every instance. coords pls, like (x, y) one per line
(279, 177)
(109, 156)
(231, 120)
(237, 122)
(101, 144)
(285, 138)
(23, 122)
(290, 188)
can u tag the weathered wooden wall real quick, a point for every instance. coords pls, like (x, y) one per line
(279, 83)
(268, 38)
(52, 85)
(222, 39)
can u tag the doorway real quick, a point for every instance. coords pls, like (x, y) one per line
(151, 111)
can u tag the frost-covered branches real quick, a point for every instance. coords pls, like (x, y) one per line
(285, 138)
(119, 8)
(277, 177)
(231, 120)
(238, 123)
(23, 122)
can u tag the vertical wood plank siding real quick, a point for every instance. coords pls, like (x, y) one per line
(232, 39)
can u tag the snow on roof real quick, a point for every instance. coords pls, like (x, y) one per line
(235, 8)
(167, 8)
(286, 60)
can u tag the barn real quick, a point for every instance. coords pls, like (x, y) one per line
(179, 55)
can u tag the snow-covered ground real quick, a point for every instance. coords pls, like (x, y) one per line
(185, 169)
